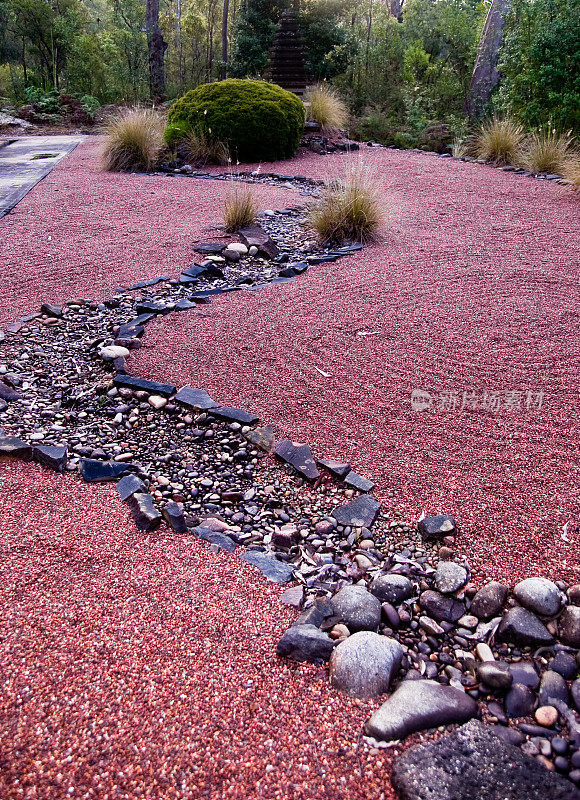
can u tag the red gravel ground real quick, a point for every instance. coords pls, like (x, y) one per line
(141, 666)
(125, 659)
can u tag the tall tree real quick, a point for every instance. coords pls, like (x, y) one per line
(157, 47)
(485, 72)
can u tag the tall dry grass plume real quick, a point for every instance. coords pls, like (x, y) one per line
(240, 209)
(547, 151)
(202, 150)
(500, 141)
(133, 140)
(323, 105)
(571, 171)
(349, 211)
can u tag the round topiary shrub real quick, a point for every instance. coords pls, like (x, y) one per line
(258, 121)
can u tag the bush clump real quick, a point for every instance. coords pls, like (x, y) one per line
(133, 141)
(255, 120)
(350, 211)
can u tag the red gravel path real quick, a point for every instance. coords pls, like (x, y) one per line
(141, 666)
(126, 659)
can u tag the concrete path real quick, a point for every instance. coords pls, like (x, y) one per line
(26, 161)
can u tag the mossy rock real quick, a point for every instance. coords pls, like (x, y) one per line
(258, 121)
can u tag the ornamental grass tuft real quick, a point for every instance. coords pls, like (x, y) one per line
(547, 151)
(349, 211)
(203, 150)
(133, 141)
(500, 141)
(324, 106)
(240, 209)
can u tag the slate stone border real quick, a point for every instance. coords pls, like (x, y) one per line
(180, 457)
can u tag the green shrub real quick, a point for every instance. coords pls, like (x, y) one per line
(175, 133)
(256, 120)
(201, 150)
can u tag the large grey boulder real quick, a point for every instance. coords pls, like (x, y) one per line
(519, 626)
(416, 706)
(392, 588)
(539, 595)
(305, 643)
(474, 763)
(364, 665)
(358, 609)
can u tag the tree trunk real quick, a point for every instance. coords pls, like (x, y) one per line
(485, 73)
(156, 47)
(225, 13)
(396, 8)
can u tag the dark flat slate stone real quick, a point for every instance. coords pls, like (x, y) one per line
(15, 448)
(195, 398)
(209, 248)
(51, 310)
(298, 456)
(51, 456)
(359, 482)
(437, 527)
(175, 517)
(150, 282)
(215, 537)
(146, 516)
(234, 415)
(129, 485)
(360, 512)
(149, 307)
(323, 259)
(184, 304)
(95, 471)
(474, 763)
(336, 468)
(276, 571)
(130, 382)
(195, 271)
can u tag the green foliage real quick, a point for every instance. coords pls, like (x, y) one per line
(328, 42)
(175, 132)
(540, 63)
(253, 37)
(257, 121)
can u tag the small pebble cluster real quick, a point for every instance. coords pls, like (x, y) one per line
(383, 601)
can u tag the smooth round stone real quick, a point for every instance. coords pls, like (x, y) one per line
(392, 588)
(113, 351)
(546, 716)
(157, 402)
(539, 595)
(364, 665)
(553, 687)
(495, 674)
(519, 701)
(565, 665)
(569, 626)
(489, 600)
(357, 608)
(237, 247)
(450, 577)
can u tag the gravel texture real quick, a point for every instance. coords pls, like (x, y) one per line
(141, 666)
(474, 288)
